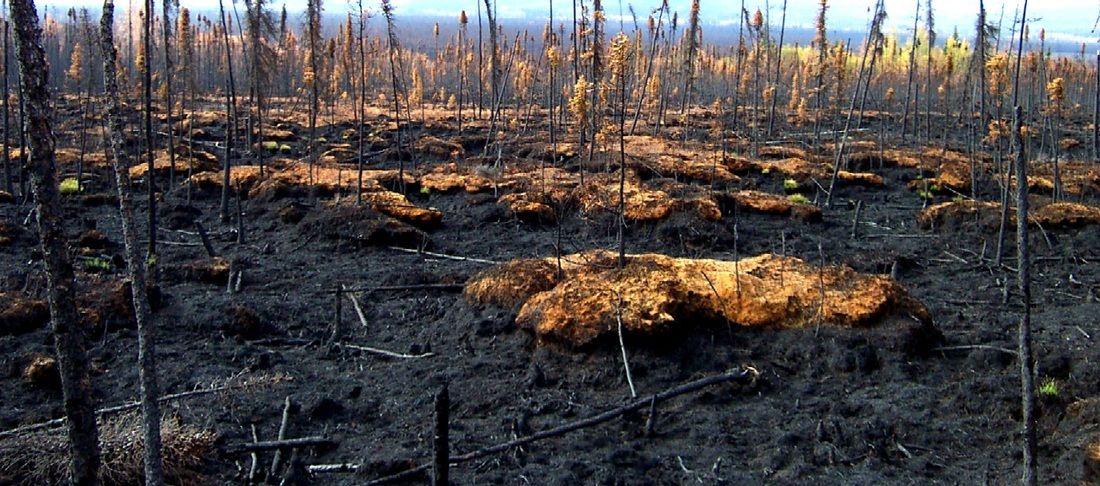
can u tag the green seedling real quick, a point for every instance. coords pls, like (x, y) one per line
(1049, 388)
(798, 199)
(926, 195)
(425, 190)
(766, 170)
(790, 185)
(271, 146)
(284, 148)
(93, 265)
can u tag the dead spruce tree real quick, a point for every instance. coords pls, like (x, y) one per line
(9, 184)
(147, 123)
(691, 46)
(230, 115)
(166, 17)
(394, 50)
(69, 343)
(311, 76)
(135, 266)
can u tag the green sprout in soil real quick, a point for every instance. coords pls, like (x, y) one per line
(934, 188)
(425, 190)
(271, 146)
(790, 184)
(93, 265)
(957, 199)
(766, 170)
(69, 186)
(926, 195)
(798, 199)
(284, 148)
(1049, 388)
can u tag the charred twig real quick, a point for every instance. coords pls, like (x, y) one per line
(744, 375)
(282, 436)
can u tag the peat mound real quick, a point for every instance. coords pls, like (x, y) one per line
(19, 315)
(654, 295)
(957, 214)
(361, 225)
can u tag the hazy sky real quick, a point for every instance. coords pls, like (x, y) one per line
(1064, 16)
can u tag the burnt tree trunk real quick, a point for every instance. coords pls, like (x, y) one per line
(72, 360)
(147, 366)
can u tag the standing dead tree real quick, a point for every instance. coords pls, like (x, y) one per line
(691, 45)
(166, 23)
(135, 266)
(147, 124)
(76, 386)
(230, 115)
(9, 185)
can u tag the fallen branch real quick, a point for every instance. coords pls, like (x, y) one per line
(444, 256)
(743, 376)
(383, 352)
(968, 347)
(398, 288)
(280, 445)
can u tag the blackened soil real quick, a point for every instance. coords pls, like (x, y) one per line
(830, 406)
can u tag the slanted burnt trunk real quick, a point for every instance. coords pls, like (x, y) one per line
(76, 385)
(135, 265)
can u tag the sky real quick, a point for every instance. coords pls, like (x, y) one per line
(1072, 19)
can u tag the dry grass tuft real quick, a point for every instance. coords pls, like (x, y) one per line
(20, 315)
(42, 457)
(42, 372)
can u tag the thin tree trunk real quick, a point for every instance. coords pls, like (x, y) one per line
(76, 386)
(135, 266)
(147, 107)
(168, 74)
(778, 64)
(230, 118)
(8, 176)
(1095, 112)
(911, 70)
(1027, 364)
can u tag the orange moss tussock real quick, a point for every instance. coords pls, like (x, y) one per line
(767, 203)
(661, 293)
(860, 178)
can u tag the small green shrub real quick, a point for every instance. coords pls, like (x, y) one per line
(69, 186)
(790, 185)
(799, 199)
(93, 265)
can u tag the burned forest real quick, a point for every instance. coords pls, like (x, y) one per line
(348, 243)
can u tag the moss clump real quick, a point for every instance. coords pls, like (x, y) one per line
(69, 186)
(799, 199)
